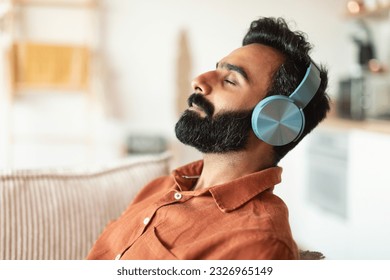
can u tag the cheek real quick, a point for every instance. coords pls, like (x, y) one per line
(225, 104)
(235, 101)
(234, 105)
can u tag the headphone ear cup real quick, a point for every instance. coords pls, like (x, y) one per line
(277, 120)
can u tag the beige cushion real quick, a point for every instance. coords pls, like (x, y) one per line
(58, 214)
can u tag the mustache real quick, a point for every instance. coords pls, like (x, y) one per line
(200, 101)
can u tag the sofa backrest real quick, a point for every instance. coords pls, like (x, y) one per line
(58, 214)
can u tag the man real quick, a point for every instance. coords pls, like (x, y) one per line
(223, 206)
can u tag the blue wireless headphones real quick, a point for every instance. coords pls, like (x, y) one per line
(279, 119)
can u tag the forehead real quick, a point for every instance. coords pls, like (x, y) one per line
(258, 61)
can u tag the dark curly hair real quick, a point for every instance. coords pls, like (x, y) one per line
(275, 33)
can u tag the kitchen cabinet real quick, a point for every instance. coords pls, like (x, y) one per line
(356, 224)
(369, 194)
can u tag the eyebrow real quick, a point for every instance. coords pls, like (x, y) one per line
(233, 67)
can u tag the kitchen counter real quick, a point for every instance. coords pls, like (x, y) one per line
(369, 125)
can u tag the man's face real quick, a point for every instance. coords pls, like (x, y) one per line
(219, 116)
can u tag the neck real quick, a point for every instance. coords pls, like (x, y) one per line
(223, 168)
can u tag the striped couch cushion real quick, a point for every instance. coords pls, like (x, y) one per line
(58, 214)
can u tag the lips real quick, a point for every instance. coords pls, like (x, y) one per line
(197, 102)
(196, 107)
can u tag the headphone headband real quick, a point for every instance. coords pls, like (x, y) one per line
(308, 87)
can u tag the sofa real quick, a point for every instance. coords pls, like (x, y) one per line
(57, 214)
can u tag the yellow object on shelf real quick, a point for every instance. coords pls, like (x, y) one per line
(38, 65)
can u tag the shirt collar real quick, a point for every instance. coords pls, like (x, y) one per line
(231, 195)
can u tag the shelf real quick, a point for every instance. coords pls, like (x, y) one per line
(58, 3)
(380, 11)
(369, 125)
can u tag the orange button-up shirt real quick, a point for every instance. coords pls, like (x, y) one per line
(241, 219)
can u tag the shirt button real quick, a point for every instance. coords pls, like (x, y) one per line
(118, 257)
(146, 220)
(178, 196)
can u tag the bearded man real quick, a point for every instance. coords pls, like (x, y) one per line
(223, 207)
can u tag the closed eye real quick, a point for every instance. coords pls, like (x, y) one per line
(229, 82)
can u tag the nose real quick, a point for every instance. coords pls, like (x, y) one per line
(203, 84)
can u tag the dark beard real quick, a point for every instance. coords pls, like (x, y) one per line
(225, 132)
